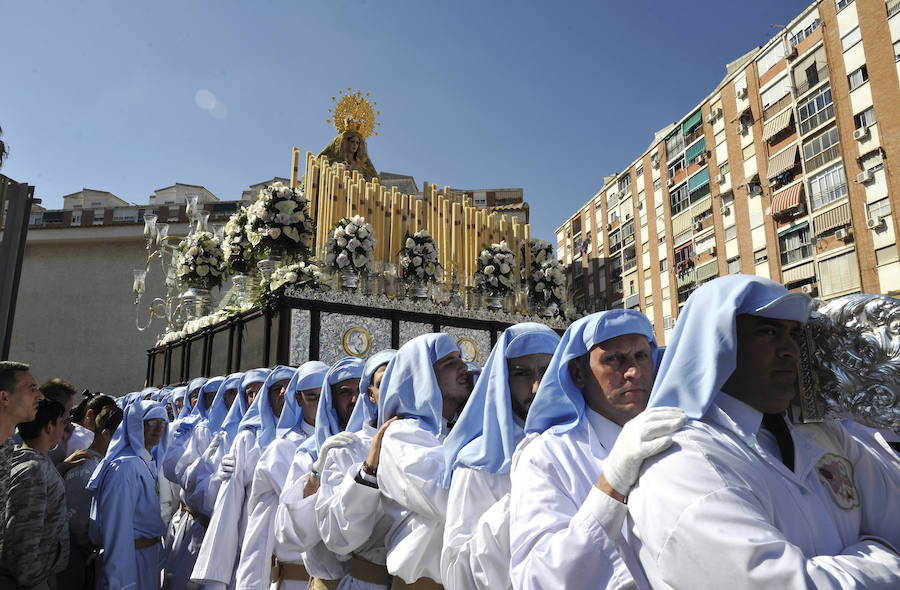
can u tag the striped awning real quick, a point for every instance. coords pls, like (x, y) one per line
(708, 270)
(782, 161)
(799, 273)
(836, 217)
(777, 124)
(787, 199)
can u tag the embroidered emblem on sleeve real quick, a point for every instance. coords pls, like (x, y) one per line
(836, 474)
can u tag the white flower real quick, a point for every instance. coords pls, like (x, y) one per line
(274, 232)
(193, 251)
(359, 260)
(291, 277)
(286, 207)
(417, 261)
(489, 269)
(350, 229)
(292, 233)
(329, 258)
(342, 259)
(341, 242)
(362, 233)
(353, 244)
(504, 268)
(202, 270)
(410, 243)
(339, 232)
(485, 257)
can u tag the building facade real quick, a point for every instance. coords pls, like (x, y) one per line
(789, 169)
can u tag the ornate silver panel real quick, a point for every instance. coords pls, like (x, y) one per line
(299, 350)
(409, 330)
(352, 335)
(474, 344)
(850, 362)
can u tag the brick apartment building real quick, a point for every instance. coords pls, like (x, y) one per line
(789, 169)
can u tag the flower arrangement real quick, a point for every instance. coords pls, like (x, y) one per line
(547, 284)
(350, 246)
(200, 263)
(419, 258)
(237, 248)
(279, 219)
(494, 275)
(301, 274)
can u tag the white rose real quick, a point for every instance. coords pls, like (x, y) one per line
(489, 269)
(362, 233)
(353, 244)
(202, 270)
(350, 229)
(329, 259)
(410, 243)
(359, 260)
(504, 268)
(341, 242)
(342, 259)
(339, 232)
(417, 261)
(292, 233)
(254, 238)
(274, 233)
(291, 277)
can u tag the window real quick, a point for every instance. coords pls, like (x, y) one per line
(665, 291)
(678, 198)
(827, 186)
(734, 265)
(760, 256)
(851, 38)
(820, 144)
(640, 171)
(676, 166)
(803, 34)
(657, 184)
(880, 208)
(730, 232)
(612, 198)
(795, 245)
(674, 144)
(613, 216)
(843, 3)
(749, 151)
(816, 110)
(838, 274)
(886, 255)
(724, 168)
(812, 75)
(685, 254)
(663, 265)
(720, 137)
(865, 118)
(625, 184)
(897, 48)
(776, 91)
(857, 77)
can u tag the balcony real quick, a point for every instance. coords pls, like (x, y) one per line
(693, 135)
(629, 264)
(796, 255)
(811, 82)
(823, 158)
(817, 120)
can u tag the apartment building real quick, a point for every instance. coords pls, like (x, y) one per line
(789, 169)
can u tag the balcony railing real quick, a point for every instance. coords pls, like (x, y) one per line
(823, 158)
(804, 87)
(817, 119)
(822, 198)
(796, 255)
(693, 135)
(778, 106)
(629, 264)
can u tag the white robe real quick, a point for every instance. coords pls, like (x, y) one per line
(722, 501)
(350, 515)
(564, 532)
(254, 570)
(215, 567)
(410, 472)
(296, 530)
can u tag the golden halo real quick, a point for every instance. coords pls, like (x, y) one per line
(354, 112)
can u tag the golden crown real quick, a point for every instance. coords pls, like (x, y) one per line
(354, 112)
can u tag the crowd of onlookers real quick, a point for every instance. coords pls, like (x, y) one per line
(51, 447)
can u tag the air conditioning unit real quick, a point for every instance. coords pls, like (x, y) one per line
(808, 289)
(720, 179)
(742, 92)
(725, 210)
(670, 183)
(711, 251)
(654, 161)
(861, 133)
(698, 226)
(608, 226)
(740, 129)
(842, 234)
(874, 222)
(792, 53)
(640, 205)
(717, 113)
(710, 118)
(864, 176)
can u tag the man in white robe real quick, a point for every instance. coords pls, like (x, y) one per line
(349, 511)
(217, 560)
(479, 453)
(295, 425)
(743, 499)
(568, 484)
(424, 386)
(296, 531)
(125, 515)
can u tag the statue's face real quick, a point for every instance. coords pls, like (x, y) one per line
(857, 358)
(353, 143)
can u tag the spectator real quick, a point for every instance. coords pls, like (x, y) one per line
(62, 392)
(36, 531)
(83, 418)
(76, 576)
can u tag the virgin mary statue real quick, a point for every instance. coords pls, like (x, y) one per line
(354, 120)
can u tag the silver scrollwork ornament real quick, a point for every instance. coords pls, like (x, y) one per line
(850, 362)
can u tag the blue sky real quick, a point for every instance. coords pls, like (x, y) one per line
(548, 96)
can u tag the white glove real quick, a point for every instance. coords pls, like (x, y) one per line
(227, 466)
(645, 435)
(341, 439)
